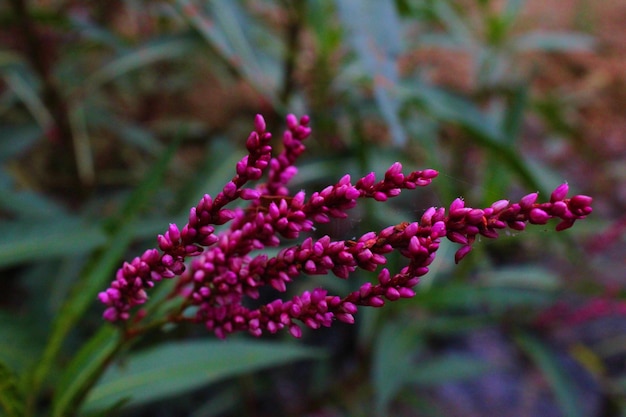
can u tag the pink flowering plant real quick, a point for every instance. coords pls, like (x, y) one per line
(218, 271)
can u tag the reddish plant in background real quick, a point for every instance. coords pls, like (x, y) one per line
(225, 269)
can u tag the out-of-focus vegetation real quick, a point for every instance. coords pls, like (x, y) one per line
(117, 116)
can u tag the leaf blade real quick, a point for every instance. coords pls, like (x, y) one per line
(173, 368)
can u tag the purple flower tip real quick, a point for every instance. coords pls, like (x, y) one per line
(538, 216)
(259, 123)
(559, 193)
(292, 121)
(457, 204)
(528, 200)
(461, 253)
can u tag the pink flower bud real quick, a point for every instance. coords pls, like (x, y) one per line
(528, 200)
(259, 123)
(559, 193)
(538, 216)
(461, 253)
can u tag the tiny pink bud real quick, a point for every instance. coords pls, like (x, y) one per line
(528, 200)
(295, 331)
(174, 233)
(253, 142)
(392, 294)
(292, 121)
(461, 253)
(581, 201)
(365, 289)
(406, 292)
(384, 277)
(376, 301)
(500, 205)
(259, 123)
(110, 314)
(456, 205)
(429, 173)
(475, 216)
(538, 216)
(457, 237)
(559, 208)
(367, 181)
(346, 318)
(379, 196)
(427, 216)
(559, 193)
(230, 189)
(104, 297)
(517, 225)
(565, 224)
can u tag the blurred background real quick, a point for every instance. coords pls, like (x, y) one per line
(117, 116)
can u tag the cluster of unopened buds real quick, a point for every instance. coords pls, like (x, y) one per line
(230, 266)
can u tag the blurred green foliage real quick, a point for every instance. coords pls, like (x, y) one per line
(115, 117)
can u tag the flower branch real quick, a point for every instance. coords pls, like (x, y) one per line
(224, 269)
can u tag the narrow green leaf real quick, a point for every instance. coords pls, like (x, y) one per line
(562, 383)
(174, 368)
(16, 139)
(21, 340)
(135, 135)
(84, 369)
(9, 59)
(25, 204)
(452, 367)
(101, 267)
(454, 24)
(145, 55)
(562, 42)
(530, 277)
(515, 112)
(22, 241)
(91, 32)
(11, 398)
(396, 346)
(452, 109)
(374, 31)
(512, 9)
(28, 94)
(230, 41)
(470, 297)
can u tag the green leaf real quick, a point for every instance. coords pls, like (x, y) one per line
(16, 139)
(11, 398)
(446, 368)
(27, 90)
(393, 365)
(549, 363)
(454, 23)
(174, 368)
(374, 31)
(24, 204)
(514, 115)
(227, 30)
(84, 369)
(21, 341)
(161, 49)
(529, 277)
(449, 108)
(35, 240)
(91, 32)
(100, 268)
(471, 297)
(551, 41)
(135, 135)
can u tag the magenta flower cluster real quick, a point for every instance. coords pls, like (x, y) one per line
(229, 266)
